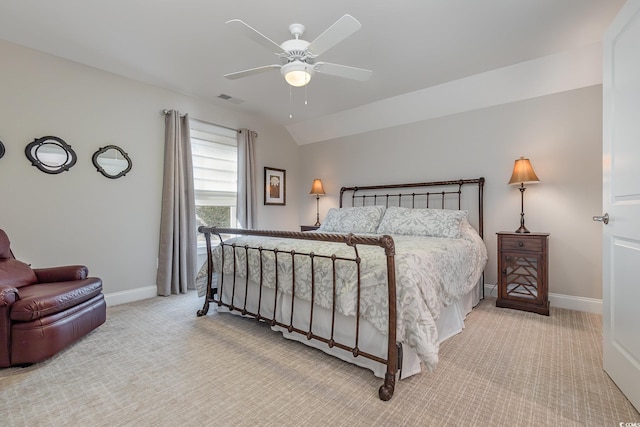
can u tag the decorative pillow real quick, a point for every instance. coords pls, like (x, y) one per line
(422, 222)
(16, 273)
(361, 219)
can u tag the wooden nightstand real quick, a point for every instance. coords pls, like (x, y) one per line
(309, 227)
(523, 264)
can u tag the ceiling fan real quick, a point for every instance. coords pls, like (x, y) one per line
(298, 56)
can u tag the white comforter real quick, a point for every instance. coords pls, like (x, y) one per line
(430, 273)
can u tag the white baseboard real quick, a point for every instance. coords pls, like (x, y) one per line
(589, 305)
(131, 295)
(490, 290)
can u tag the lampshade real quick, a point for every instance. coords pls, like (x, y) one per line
(297, 73)
(317, 188)
(523, 172)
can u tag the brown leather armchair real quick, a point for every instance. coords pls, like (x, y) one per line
(44, 310)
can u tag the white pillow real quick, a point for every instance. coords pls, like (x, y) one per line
(361, 219)
(422, 222)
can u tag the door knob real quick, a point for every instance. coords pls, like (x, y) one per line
(604, 218)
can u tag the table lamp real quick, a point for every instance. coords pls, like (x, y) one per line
(522, 173)
(317, 190)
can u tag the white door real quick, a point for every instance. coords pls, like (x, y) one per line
(621, 200)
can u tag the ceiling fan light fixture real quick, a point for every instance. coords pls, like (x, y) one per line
(297, 78)
(297, 74)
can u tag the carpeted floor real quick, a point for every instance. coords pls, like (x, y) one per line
(154, 363)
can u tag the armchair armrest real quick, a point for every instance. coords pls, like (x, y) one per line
(61, 274)
(8, 295)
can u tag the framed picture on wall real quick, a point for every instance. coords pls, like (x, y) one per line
(275, 186)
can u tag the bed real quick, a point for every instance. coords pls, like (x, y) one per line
(386, 278)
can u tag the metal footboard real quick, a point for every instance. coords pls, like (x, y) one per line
(215, 294)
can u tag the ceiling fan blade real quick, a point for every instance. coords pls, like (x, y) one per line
(250, 72)
(333, 35)
(343, 71)
(255, 35)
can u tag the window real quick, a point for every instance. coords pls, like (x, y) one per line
(215, 174)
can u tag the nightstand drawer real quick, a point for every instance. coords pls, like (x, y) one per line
(526, 244)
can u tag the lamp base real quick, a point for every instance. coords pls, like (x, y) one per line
(522, 228)
(317, 224)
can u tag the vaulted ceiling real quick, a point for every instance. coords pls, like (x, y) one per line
(410, 45)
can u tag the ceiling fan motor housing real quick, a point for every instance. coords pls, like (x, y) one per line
(296, 49)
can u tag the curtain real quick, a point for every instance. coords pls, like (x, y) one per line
(247, 198)
(177, 252)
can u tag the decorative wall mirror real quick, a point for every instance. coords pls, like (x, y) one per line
(111, 161)
(1, 149)
(50, 154)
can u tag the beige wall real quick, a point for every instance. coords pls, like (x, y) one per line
(80, 216)
(112, 225)
(561, 134)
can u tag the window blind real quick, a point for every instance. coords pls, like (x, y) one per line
(215, 164)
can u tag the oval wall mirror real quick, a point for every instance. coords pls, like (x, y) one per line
(1, 149)
(51, 154)
(112, 162)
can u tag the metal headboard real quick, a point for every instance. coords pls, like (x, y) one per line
(436, 194)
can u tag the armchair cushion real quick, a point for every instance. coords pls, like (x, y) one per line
(16, 273)
(45, 299)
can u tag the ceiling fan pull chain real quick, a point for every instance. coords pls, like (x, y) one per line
(305, 94)
(290, 109)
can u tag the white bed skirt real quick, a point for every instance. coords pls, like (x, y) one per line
(451, 322)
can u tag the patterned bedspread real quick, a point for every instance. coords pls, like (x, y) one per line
(430, 273)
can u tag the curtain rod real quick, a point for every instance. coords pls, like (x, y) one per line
(165, 112)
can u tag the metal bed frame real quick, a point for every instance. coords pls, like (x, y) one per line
(359, 196)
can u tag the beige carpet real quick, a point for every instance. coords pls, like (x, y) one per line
(154, 363)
